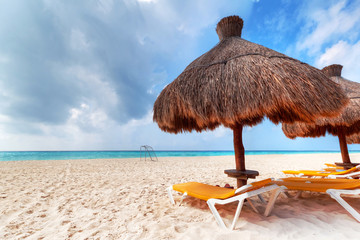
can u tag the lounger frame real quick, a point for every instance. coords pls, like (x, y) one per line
(333, 193)
(336, 194)
(274, 189)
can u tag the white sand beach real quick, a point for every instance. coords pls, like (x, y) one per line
(126, 199)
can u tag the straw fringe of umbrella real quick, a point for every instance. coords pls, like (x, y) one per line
(353, 139)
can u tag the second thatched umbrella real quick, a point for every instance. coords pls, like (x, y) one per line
(346, 124)
(238, 83)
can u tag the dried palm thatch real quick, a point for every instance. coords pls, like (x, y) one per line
(345, 124)
(353, 139)
(239, 83)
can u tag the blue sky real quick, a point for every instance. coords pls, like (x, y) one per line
(83, 75)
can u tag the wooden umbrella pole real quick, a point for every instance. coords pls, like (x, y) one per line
(239, 148)
(343, 146)
(239, 153)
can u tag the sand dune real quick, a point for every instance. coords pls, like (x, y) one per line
(126, 199)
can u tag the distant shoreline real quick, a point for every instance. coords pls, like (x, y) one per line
(76, 155)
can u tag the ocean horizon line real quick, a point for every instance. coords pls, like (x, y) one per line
(112, 154)
(137, 150)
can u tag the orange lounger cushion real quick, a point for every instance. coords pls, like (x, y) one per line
(321, 173)
(204, 191)
(316, 184)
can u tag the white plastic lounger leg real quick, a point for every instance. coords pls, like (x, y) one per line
(335, 194)
(298, 194)
(182, 198)
(252, 205)
(261, 198)
(240, 198)
(272, 200)
(237, 214)
(169, 189)
(287, 194)
(211, 204)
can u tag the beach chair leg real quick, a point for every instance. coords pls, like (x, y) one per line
(211, 203)
(237, 214)
(169, 190)
(241, 198)
(335, 194)
(182, 198)
(261, 198)
(272, 200)
(296, 196)
(252, 205)
(287, 194)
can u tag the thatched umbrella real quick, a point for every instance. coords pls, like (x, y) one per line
(346, 124)
(238, 83)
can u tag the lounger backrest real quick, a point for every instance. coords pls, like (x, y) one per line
(254, 186)
(356, 168)
(317, 185)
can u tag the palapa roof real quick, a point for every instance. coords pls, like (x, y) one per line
(348, 121)
(240, 82)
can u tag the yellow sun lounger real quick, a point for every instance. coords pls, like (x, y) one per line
(334, 187)
(350, 173)
(219, 195)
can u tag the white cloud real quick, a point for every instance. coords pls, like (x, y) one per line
(219, 132)
(88, 118)
(325, 25)
(345, 54)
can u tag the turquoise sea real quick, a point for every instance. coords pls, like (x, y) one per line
(66, 155)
